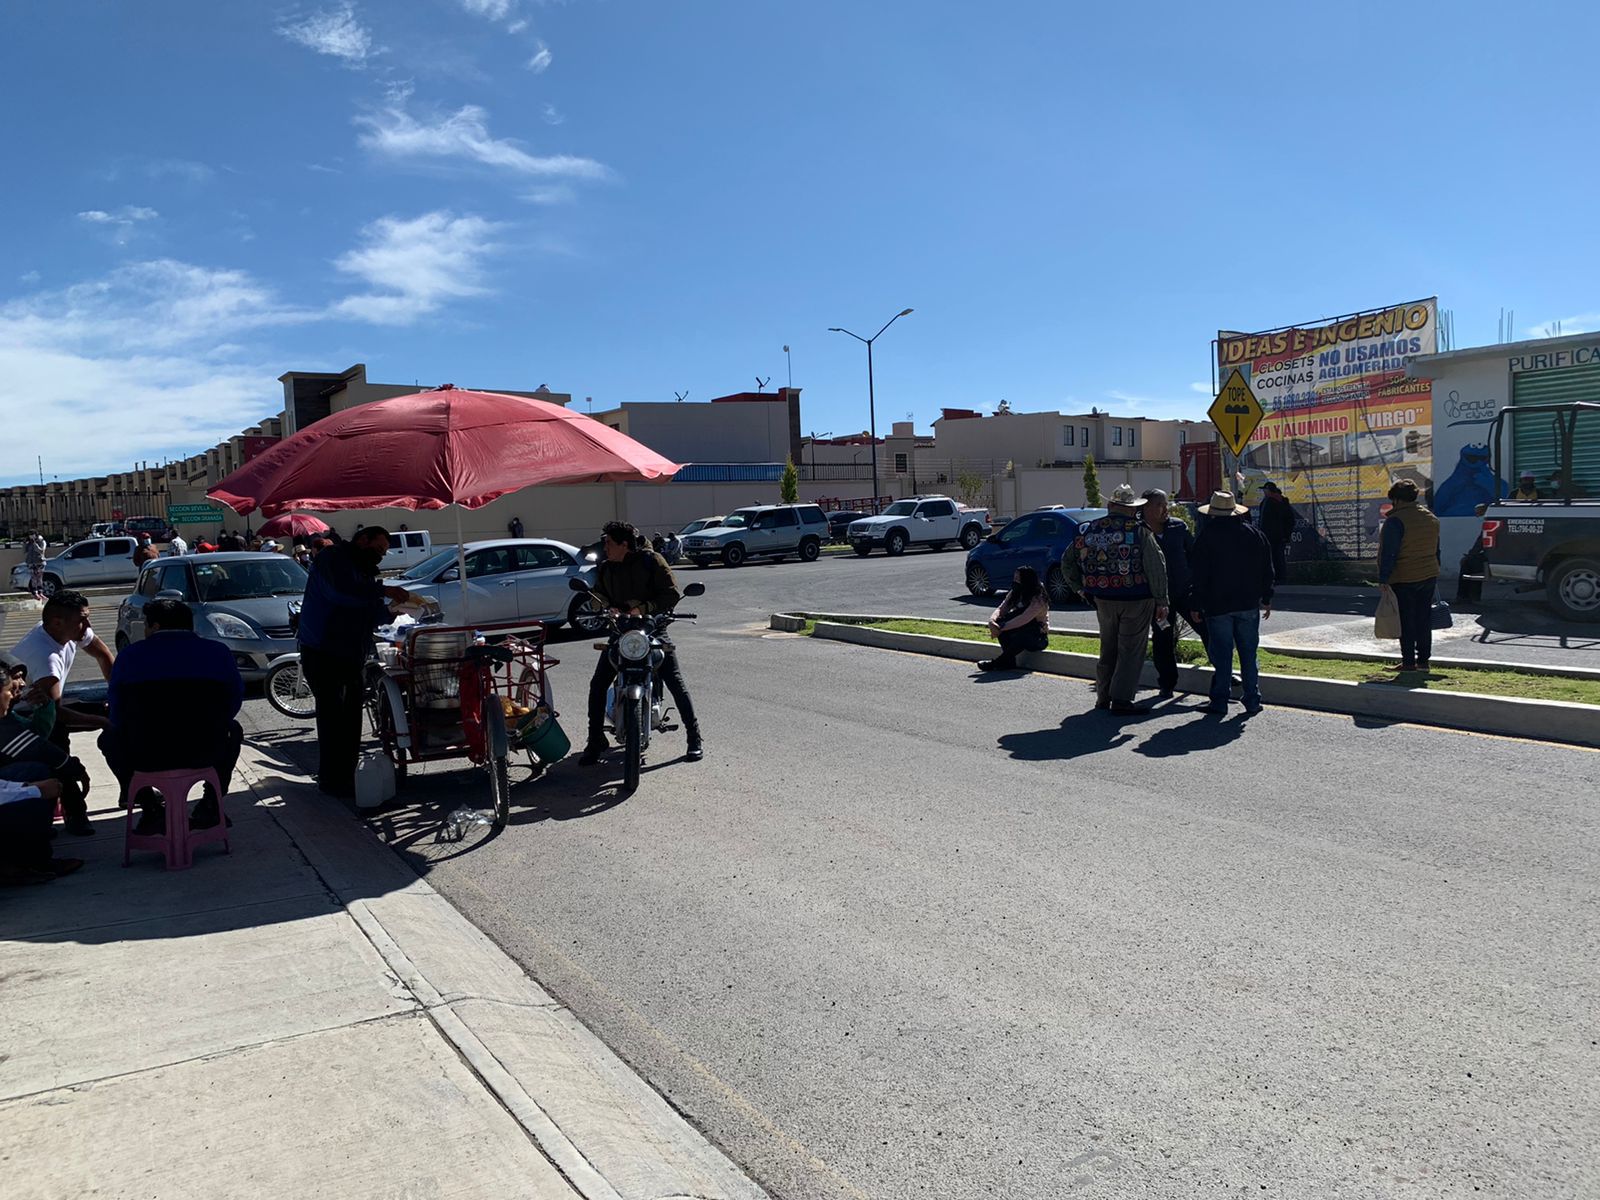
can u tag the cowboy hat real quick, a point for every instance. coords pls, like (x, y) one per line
(1123, 495)
(1223, 505)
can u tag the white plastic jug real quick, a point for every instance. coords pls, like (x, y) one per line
(374, 780)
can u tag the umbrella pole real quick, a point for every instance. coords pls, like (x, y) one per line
(461, 565)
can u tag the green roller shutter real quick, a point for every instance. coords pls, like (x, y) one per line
(1536, 436)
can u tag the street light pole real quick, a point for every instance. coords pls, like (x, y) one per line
(872, 407)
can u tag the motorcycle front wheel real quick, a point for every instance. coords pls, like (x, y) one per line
(633, 719)
(287, 691)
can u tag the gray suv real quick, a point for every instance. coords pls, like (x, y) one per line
(772, 531)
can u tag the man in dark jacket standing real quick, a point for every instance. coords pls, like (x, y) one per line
(344, 603)
(1177, 543)
(1277, 523)
(1116, 564)
(1232, 587)
(1408, 566)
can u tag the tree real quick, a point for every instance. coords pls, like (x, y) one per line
(789, 489)
(1091, 483)
(971, 486)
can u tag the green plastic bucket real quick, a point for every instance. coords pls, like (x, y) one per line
(545, 739)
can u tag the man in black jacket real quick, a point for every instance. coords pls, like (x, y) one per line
(634, 579)
(1277, 523)
(1232, 586)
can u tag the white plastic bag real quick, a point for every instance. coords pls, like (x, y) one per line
(374, 780)
(1386, 626)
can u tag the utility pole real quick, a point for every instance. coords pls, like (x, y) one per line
(872, 405)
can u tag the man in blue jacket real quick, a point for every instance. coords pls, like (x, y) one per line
(173, 699)
(1231, 574)
(344, 603)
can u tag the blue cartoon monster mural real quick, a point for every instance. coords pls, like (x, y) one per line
(1472, 483)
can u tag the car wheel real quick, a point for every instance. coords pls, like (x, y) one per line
(586, 615)
(970, 537)
(122, 641)
(895, 543)
(1573, 589)
(810, 550)
(734, 555)
(978, 580)
(51, 585)
(1055, 583)
(863, 549)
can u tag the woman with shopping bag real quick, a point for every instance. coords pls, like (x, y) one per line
(1408, 573)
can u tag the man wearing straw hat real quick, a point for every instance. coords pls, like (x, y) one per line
(1232, 594)
(1116, 564)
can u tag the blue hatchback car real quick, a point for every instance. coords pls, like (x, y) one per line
(1038, 540)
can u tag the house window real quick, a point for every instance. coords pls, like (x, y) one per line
(900, 464)
(1116, 435)
(1083, 436)
(1131, 429)
(1066, 435)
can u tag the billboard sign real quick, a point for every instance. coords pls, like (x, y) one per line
(1341, 421)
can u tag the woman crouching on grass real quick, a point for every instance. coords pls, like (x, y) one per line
(1022, 622)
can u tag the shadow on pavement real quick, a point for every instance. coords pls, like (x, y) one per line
(1192, 737)
(1077, 735)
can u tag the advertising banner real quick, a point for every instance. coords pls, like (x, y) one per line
(1341, 420)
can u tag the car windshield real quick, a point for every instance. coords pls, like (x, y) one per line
(901, 508)
(248, 579)
(432, 565)
(738, 520)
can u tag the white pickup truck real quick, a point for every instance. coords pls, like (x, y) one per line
(932, 521)
(407, 547)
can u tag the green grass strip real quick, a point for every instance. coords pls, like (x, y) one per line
(1484, 681)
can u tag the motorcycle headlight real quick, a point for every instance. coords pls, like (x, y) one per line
(634, 645)
(231, 627)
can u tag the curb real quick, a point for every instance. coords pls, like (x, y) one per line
(1539, 720)
(605, 1129)
(795, 622)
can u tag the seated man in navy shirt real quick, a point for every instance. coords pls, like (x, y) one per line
(173, 699)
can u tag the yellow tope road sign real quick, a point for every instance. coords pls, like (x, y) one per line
(1235, 412)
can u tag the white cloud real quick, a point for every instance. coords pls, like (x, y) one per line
(541, 60)
(464, 134)
(490, 10)
(178, 168)
(1561, 326)
(118, 224)
(131, 366)
(516, 26)
(414, 266)
(1155, 407)
(1200, 389)
(335, 32)
(29, 277)
(551, 115)
(559, 193)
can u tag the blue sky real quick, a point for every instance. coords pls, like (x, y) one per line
(627, 198)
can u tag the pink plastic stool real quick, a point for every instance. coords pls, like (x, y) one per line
(178, 842)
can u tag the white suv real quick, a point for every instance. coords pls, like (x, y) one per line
(772, 531)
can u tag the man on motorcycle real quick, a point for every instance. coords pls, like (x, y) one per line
(634, 580)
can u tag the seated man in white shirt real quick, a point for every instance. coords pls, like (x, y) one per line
(49, 649)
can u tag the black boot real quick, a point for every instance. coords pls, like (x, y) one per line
(697, 745)
(592, 752)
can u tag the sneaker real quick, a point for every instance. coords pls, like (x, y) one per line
(1251, 710)
(1215, 709)
(1165, 693)
(592, 752)
(1422, 665)
(1122, 709)
(696, 750)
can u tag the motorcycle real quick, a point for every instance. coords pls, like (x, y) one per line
(669, 546)
(635, 702)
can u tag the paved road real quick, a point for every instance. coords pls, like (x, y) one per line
(908, 933)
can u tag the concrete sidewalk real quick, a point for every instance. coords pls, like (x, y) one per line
(301, 1018)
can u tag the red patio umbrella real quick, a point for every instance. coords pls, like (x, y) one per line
(448, 446)
(431, 449)
(297, 525)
